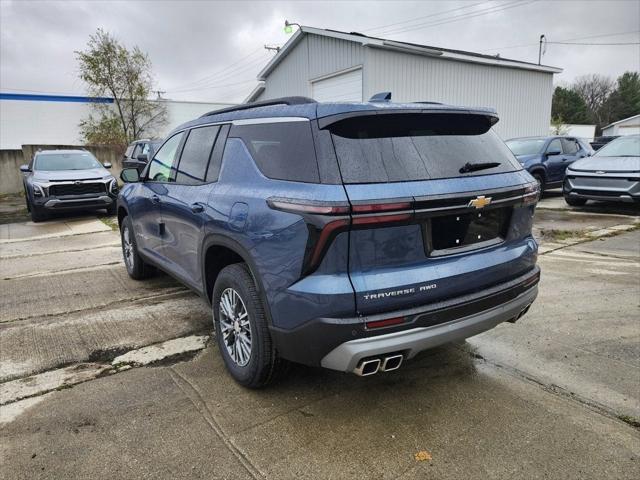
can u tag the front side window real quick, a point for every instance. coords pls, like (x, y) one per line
(192, 168)
(408, 147)
(65, 161)
(282, 151)
(160, 168)
(555, 146)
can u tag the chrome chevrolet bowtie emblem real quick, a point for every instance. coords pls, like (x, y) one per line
(601, 172)
(479, 202)
(77, 182)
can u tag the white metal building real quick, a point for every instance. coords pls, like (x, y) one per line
(626, 126)
(338, 66)
(54, 119)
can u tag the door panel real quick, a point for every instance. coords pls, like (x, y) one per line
(183, 212)
(147, 218)
(555, 163)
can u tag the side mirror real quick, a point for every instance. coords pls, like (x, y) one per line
(143, 158)
(130, 175)
(553, 152)
(25, 168)
(107, 165)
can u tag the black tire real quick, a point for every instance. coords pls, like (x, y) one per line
(575, 202)
(263, 363)
(37, 214)
(540, 179)
(137, 268)
(112, 209)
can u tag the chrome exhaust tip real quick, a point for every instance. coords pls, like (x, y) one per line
(520, 315)
(368, 367)
(391, 363)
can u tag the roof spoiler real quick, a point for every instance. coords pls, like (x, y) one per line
(381, 97)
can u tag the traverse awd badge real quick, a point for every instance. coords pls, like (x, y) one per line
(479, 202)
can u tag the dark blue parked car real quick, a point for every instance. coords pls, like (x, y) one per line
(547, 158)
(349, 236)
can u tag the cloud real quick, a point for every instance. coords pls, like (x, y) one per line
(212, 51)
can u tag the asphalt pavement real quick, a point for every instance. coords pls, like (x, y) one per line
(557, 395)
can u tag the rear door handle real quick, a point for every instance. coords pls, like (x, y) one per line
(197, 208)
(155, 199)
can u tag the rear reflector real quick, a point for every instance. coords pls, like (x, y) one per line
(381, 207)
(387, 322)
(396, 217)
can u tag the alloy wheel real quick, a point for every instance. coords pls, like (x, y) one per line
(235, 327)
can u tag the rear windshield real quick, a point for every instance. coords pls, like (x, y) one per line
(406, 147)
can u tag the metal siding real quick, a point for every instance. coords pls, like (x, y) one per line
(521, 97)
(293, 75)
(346, 87)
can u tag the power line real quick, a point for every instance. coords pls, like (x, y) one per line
(218, 72)
(593, 44)
(565, 40)
(382, 27)
(457, 18)
(227, 76)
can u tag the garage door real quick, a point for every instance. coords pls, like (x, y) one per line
(346, 87)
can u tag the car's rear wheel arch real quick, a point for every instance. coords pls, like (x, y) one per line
(217, 253)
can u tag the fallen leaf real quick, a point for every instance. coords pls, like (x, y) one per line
(422, 456)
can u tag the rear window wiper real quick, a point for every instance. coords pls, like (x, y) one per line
(474, 167)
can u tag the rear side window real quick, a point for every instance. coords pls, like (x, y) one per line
(406, 147)
(192, 168)
(282, 151)
(569, 145)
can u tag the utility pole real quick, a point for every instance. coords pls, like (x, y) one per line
(542, 40)
(160, 93)
(272, 48)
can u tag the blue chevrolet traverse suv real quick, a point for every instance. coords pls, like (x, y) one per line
(344, 235)
(547, 158)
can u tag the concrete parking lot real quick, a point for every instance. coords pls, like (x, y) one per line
(557, 395)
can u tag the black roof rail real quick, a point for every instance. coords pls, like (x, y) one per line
(265, 103)
(430, 103)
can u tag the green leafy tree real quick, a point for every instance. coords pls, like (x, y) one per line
(624, 102)
(568, 107)
(110, 69)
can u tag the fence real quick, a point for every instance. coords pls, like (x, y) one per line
(10, 161)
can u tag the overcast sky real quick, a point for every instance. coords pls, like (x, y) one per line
(212, 51)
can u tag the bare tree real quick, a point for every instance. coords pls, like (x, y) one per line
(595, 89)
(110, 69)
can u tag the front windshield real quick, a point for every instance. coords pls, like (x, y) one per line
(621, 147)
(65, 161)
(529, 146)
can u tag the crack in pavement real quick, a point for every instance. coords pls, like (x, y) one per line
(557, 390)
(194, 395)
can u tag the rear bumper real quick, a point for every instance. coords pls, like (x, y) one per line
(340, 343)
(346, 356)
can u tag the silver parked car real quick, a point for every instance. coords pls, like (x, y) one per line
(612, 174)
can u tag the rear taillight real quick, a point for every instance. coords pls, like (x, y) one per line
(531, 194)
(326, 220)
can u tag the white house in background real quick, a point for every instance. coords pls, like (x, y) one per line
(626, 126)
(586, 132)
(54, 119)
(328, 65)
